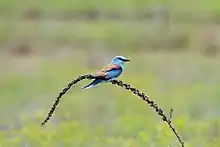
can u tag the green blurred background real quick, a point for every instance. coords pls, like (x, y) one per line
(173, 46)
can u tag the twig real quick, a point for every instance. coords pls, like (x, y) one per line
(152, 104)
(135, 91)
(65, 89)
(170, 115)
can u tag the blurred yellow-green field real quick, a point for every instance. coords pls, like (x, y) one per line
(173, 46)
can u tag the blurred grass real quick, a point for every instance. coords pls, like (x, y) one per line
(107, 115)
(126, 25)
(138, 5)
(123, 36)
(44, 44)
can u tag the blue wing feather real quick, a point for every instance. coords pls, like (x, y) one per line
(114, 73)
(93, 83)
(111, 74)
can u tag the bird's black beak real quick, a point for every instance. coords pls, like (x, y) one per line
(126, 60)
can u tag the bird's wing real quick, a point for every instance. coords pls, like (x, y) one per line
(104, 71)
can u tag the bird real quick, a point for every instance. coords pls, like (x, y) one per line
(109, 72)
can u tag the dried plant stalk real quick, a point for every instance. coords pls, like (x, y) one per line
(153, 105)
(119, 83)
(65, 89)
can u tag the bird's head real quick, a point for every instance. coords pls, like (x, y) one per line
(119, 60)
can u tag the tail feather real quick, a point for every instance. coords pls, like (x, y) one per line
(92, 84)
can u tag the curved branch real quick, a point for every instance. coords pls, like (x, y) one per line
(152, 104)
(65, 89)
(144, 97)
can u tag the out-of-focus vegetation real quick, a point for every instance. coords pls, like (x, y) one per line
(143, 25)
(173, 47)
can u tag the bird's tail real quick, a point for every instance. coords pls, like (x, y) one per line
(92, 84)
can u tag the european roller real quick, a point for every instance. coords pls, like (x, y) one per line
(109, 72)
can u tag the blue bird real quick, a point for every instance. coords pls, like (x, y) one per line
(109, 72)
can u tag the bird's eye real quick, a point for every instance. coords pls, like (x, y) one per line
(121, 59)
